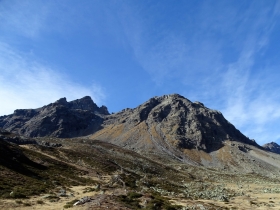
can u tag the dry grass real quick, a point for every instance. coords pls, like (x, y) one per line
(81, 164)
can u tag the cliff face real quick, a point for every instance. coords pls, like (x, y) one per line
(59, 119)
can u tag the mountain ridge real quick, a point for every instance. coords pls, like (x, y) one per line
(272, 147)
(59, 119)
(180, 123)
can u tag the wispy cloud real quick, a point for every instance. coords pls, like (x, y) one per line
(25, 83)
(24, 17)
(252, 103)
(216, 62)
(251, 96)
(171, 54)
(210, 50)
(34, 19)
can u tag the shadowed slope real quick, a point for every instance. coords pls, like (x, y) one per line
(25, 172)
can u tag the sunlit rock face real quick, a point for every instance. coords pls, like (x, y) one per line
(171, 121)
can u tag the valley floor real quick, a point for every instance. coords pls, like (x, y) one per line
(109, 177)
(255, 196)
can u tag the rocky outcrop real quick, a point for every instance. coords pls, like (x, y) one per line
(59, 119)
(49, 144)
(272, 147)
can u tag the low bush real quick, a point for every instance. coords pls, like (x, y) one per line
(70, 204)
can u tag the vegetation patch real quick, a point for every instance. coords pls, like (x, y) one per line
(159, 202)
(26, 173)
(131, 200)
(152, 201)
(70, 204)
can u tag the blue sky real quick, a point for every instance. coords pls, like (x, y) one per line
(222, 53)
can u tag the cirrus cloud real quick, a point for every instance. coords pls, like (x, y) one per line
(25, 83)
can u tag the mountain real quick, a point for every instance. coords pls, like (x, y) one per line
(168, 128)
(59, 119)
(171, 128)
(171, 121)
(272, 147)
(167, 153)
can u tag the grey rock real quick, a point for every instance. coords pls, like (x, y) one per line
(59, 119)
(272, 147)
(62, 193)
(49, 144)
(178, 122)
(82, 201)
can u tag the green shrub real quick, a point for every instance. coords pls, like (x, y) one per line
(159, 203)
(70, 204)
(40, 202)
(133, 195)
(27, 204)
(16, 194)
(130, 200)
(89, 189)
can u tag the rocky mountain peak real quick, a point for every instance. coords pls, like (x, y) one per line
(60, 119)
(171, 122)
(272, 147)
(85, 103)
(61, 101)
(166, 98)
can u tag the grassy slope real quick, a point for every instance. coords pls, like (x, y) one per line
(25, 172)
(33, 170)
